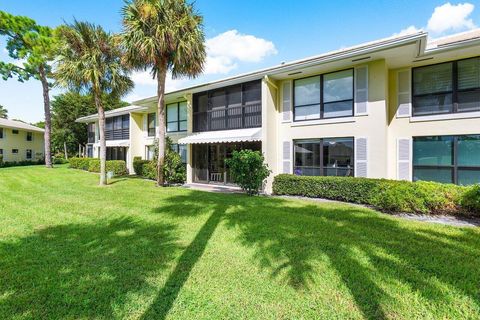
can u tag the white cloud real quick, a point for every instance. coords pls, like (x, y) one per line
(225, 50)
(408, 30)
(447, 18)
(450, 17)
(143, 78)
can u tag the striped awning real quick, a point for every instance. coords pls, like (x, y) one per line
(224, 136)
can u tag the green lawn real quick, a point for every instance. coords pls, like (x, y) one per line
(70, 249)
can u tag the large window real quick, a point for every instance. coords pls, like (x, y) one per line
(449, 87)
(177, 116)
(235, 107)
(326, 96)
(29, 136)
(118, 128)
(28, 154)
(447, 159)
(151, 123)
(324, 157)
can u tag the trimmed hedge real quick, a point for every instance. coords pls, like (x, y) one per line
(471, 199)
(118, 167)
(386, 195)
(145, 168)
(23, 163)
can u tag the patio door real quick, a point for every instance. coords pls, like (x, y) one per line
(216, 163)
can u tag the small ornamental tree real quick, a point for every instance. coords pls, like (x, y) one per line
(248, 170)
(173, 169)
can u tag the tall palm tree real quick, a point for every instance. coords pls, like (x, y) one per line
(162, 36)
(91, 60)
(3, 112)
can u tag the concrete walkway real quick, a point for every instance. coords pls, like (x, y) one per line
(212, 188)
(441, 219)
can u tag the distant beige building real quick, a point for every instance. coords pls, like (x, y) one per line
(399, 108)
(20, 141)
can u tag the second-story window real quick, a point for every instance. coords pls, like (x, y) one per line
(177, 116)
(117, 128)
(1, 133)
(151, 124)
(29, 136)
(91, 132)
(448, 87)
(14, 131)
(326, 96)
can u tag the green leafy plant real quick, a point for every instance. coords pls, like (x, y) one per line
(118, 167)
(471, 199)
(384, 194)
(248, 170)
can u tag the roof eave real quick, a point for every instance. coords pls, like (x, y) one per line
(419, 38)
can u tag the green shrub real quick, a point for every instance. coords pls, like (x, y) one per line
(248, 170)
(149, 170)
(470, 199)
(118, 167)
(386, 195)
(174, 171)
(80, 163)
(7, 164)
(138, 164)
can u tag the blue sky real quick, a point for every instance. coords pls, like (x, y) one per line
(246, 37)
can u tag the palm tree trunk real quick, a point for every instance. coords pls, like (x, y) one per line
(48, 118)
(103, 142)
(161, 75)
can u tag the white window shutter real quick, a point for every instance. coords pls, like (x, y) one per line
(287, 101)
(404, 97)
(361, 90)
(361, 157)
(145, 131)
(287, 156)
(404, 156)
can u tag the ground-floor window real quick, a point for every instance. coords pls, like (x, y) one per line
(14, 151)
(89, 151)
(447, 159)
(324, 157)
(149, 152)
(117, 153)
(28, 154)
(181, 149)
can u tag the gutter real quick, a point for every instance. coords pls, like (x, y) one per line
(419, 37)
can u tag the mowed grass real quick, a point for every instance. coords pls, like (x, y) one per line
(72, 250)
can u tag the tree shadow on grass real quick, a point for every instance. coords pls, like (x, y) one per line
(82, 270)
(372, 254)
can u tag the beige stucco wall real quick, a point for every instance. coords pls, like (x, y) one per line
(408, 127)
(372, 126)
(270, 115)
(19, 141)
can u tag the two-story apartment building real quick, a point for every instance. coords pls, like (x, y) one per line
(398, 108)
(20, 141)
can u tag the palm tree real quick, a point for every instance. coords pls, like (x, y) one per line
(90, 60)
(3, 112)
(163, 36)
